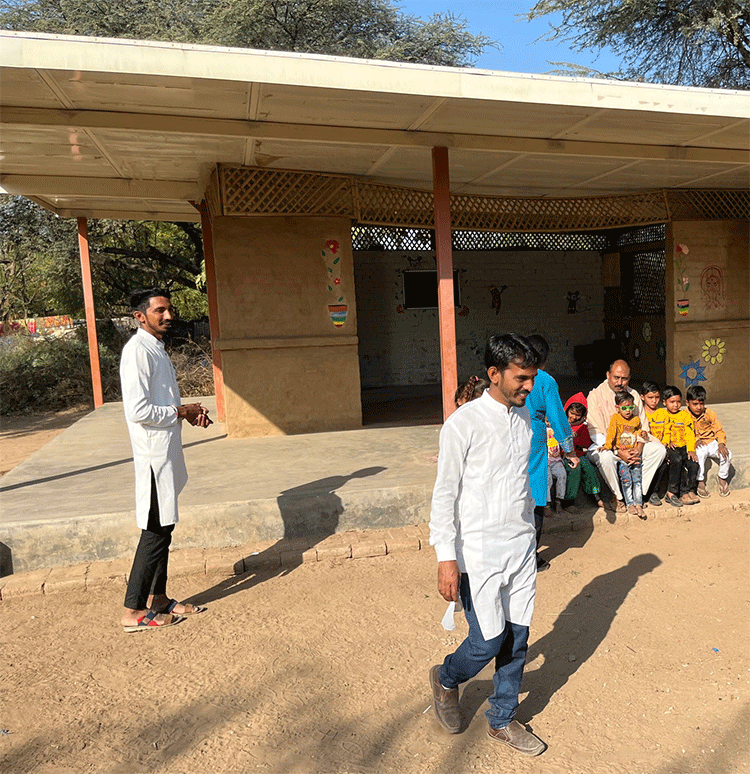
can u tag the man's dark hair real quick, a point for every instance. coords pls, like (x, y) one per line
(510, 348)
(140, 300)
(670, 391)
(696, 392)
(622, 397)
(540, 345)
(649, 387)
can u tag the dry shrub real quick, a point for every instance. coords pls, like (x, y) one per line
(40, 374)
(192, 362)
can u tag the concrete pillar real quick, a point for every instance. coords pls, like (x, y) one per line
(288, 321)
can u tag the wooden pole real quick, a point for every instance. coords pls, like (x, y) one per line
(213, 307)
(88, 300)
(444, 254)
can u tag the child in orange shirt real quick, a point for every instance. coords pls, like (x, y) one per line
(626, 437)
(679, 438)
(710, 440)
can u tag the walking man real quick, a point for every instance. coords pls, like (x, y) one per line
(154, 414)
(482, 528)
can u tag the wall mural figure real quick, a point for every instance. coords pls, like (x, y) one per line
(464, 311)
(712, 287)
(693, 373)
(415, 261)
(338, 309)
(497, 297)
(683, 282)
(573, 296)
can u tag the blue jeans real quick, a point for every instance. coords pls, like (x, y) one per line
(474, 653)
(630, 482)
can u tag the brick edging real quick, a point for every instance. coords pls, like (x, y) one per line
(268, 556)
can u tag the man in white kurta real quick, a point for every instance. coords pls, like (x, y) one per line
(482, 528)
(153, 411)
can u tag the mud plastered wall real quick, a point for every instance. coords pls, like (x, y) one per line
(557, 294)
(708, 307)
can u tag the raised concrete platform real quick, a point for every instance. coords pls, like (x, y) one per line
(72, 501)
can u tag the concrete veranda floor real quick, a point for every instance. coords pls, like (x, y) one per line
(72, 501)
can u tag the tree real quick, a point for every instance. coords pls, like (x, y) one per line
(40, 252)
(41, 266)
(682, 42)
(373, 29)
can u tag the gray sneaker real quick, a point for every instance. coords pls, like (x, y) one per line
(445, 703)
(518, 738)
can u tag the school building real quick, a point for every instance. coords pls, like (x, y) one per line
(369, 224)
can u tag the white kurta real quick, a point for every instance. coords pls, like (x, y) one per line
(483, 511)
(150, 397)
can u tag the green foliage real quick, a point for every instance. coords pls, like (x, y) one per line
(41, 264)
(373, 29)
(683, 42)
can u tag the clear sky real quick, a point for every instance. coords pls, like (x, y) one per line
(520, 51)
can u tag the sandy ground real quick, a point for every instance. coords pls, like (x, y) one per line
(638, 664)
(21, 435)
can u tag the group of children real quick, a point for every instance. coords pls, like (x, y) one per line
(691, 436)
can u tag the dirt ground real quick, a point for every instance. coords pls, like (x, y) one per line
(638, 664)
(21, 435)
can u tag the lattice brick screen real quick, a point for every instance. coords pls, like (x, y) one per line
(703, 204)
(252, 191)
(388, 205)
(249, 191)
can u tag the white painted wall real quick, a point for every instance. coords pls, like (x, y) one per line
(400, 346)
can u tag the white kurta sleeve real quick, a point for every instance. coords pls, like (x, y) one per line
(135, 378)
(444, 514)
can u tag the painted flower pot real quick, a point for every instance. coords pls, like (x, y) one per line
(683, 306)
(338, 314)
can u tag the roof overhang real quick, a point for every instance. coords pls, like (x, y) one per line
(125, 129)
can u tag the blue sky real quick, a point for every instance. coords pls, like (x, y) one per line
(520, 51)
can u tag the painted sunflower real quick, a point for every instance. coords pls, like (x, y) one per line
(713, 351)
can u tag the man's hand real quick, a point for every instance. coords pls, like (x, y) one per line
(449, 578)
(195, 414)
(692, 456)
(723, 451)
(572, 459)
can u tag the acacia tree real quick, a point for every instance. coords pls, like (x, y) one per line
(41, 257)
(682, 42)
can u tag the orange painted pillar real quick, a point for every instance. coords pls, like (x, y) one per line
(88, 300)
(444, 253)
(213, 307)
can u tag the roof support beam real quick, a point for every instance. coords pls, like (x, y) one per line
(109, 187)
(217, 127)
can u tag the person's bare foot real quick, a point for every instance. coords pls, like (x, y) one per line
(632, 510)
(558, 507)
(618, 506)
(640, 513)
(600, 503)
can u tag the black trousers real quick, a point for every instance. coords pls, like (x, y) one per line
(538, 523)
(149, 572)
(683, 472)
(658, 479)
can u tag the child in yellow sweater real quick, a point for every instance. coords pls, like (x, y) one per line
(626, 437)
(657, 418)
(679, 438)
